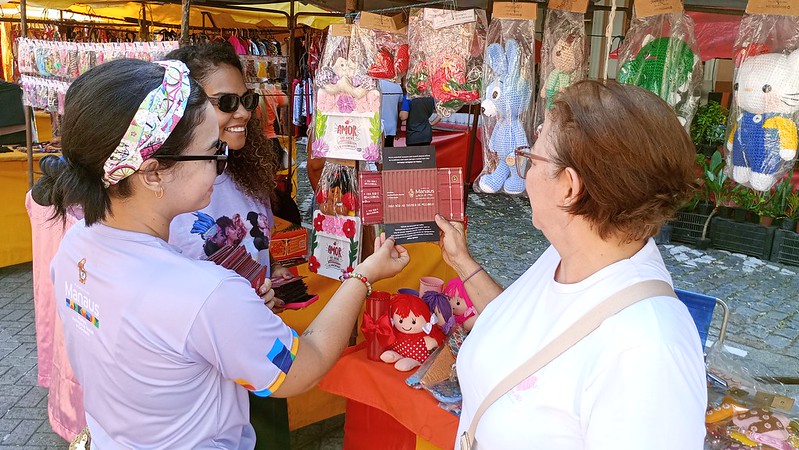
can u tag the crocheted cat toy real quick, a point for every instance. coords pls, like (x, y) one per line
(566, 56)
(764, 135)
(662, 66)
(506, 98)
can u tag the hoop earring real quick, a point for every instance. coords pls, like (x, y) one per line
(160, 193)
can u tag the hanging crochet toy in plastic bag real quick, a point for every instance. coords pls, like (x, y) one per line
(506, 104)
(762, 132)
(563, 57)
(415, 333)
(383, 43)
(661, 55)
(446, 50)
(347, 104)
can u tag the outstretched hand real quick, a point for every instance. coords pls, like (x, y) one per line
(387, 260)
(453, 243)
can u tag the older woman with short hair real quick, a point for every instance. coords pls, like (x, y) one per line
(611, 164)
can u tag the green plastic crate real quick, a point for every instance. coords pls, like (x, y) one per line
(688, 227)
(747, 238)
(785, 248)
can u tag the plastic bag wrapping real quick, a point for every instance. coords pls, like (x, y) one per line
(745, 410)
(381, 53)
(762, 128)
(507, 106)
(336, 232)
(446, 60)
(346, 106)
(564, 58)
(661, 54)
(337, 193)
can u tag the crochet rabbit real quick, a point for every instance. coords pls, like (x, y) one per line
(507, 98)
(764, 135)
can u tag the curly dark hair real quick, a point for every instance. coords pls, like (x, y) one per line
(253, 167)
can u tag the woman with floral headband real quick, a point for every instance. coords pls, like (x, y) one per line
(165, 346)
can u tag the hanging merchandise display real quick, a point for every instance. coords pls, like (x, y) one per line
(661, 54)
(347, 103)
(336, 234)
(762, 129)
(564, 55)
(446, 49)
(382, 45)
(509, 80)
(48, 67)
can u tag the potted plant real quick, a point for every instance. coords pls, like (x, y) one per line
(745, 203)
(791, 221)
(762, 205)
(708, 128)
(779, 199)
(718, 190)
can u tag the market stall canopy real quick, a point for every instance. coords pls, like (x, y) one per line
(256, 15)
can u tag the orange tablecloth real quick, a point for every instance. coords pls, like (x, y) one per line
(381, 386)
(15, 240)
(318, 405)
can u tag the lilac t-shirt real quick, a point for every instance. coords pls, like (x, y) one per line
(230, 218)
(164, 346)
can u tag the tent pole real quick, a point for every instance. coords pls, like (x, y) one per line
(291, 68)
(23, 16)
(184, 22)
(144, 29)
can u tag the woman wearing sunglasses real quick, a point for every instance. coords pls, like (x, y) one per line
(610, 165)
(247, 188)
(166, 347)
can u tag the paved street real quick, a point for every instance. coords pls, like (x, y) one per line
(762, 297)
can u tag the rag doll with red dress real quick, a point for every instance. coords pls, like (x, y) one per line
(416, 335)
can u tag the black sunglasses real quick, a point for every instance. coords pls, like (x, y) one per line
(220, 157)
(229, 103)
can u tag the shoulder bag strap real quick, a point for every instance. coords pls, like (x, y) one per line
(582, 328)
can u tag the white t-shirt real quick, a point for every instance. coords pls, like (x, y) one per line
(164, 346)
(637, 382)
(231, 218)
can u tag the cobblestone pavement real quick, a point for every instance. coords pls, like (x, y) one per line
(762, 297)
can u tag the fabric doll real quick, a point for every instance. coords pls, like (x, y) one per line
(663, 66)
(464, 311)
(764, 427)
(507, 97)
(440, 307)
(415, 337)
(567, 57)
(764, 135)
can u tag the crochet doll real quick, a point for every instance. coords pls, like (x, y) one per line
(462, 308)
(440, 307)
(415, 337)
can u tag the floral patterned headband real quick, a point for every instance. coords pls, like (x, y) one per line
(156, 118)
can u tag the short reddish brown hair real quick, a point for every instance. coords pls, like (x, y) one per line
(634, 158)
